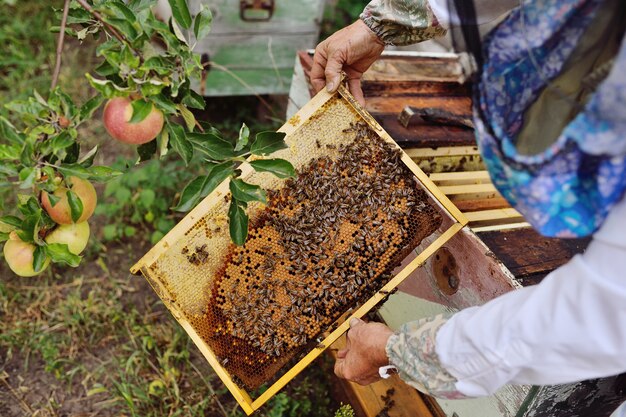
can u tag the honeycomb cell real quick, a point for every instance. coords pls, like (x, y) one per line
(326, 242)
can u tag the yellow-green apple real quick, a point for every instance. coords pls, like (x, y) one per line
(75, 236)
(19, 255)
(117, 114)
(61, 212)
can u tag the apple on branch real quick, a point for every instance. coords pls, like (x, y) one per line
(75, 236)
(61, 211)
(20, 256)
(117, 115)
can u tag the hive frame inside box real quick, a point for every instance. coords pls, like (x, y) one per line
(249, 405)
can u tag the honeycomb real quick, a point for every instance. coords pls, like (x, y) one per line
(326, 241)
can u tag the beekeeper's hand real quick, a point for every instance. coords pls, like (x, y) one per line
(352, 49)
(364, 353)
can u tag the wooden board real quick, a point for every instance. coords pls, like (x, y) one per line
(394, 82)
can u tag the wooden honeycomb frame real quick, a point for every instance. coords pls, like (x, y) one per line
(166, 286)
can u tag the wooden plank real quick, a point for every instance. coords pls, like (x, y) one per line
(460, 106)
(458, 178)
(497, 214)
(424, 136)
(442, 151)
(455, 190)
(371, 400)
(469, 205)
(450, 163)
(500, 227)
(540, 255)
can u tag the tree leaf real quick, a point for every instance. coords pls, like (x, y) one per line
(9, 223)
(107, 87)
(194, 100)
(238, 222)
(60, 253)
(190, 119)
(147, 150)
(180, 11)
(39, 258)
(279, 167)
(162, 141)
(102, 173)
(246, 192)
(180, 143)
(87, 159)
(202, 23)
(141, 110)
(76, 205)
(266, 143)
(27, 177)
(29, 231)
(53, 199)
(89, 108)
(165, 104)
(244, 136)
(212, 146)
(204, 185)
(74, 170)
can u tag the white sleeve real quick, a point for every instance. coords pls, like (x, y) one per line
(486, 11)
(570, 327)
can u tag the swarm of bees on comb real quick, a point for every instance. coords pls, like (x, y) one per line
(325, 243)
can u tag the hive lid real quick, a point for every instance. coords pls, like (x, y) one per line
(253, 331)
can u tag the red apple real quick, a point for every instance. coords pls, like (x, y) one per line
(117, 114)
(75, 236)
(61, 212)
(19, 255)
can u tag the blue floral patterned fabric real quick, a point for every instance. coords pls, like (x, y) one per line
(568, 189)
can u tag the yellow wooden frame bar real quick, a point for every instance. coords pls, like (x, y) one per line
(248, 404)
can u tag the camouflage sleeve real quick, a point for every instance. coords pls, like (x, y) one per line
(402, 22)
(412, 351)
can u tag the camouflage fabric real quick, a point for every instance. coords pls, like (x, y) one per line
(412, 351)
(402, 22)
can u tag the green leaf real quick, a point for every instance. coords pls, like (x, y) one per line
(76, 205)
(190, 119)
(180, 143)
(202, 23)
(87, 160)
(53, 199)
(124, 26)
(61, 141)
(162, 141)
(30, 226)
(74, 170)
(147, 150)
(246, 192)
(39, 258)
(279, 167)
(202, 186)
(244, 136)
(107, 87)
(89, 108)
(27, 177)
(266, 143)
(8, 223)
(165, 104)
(180, 11)
(238, 222)
(141, 110)
(60, 253)
(121, 11)
(158, 64)
(194, 100)
(212, 146)
(147, 197)
(9, 132)
(102, 173)
(72, 153)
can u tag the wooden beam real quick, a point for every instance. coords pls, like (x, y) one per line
(459, 178)
(442, 151)
(497, 214)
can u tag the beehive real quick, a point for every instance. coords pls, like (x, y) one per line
(323, 249)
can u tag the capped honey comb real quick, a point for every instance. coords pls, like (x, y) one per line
(326, 241)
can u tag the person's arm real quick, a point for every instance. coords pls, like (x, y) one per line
(355, 48)
(570, 327)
